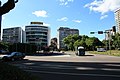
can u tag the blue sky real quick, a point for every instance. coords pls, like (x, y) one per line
(85, 15)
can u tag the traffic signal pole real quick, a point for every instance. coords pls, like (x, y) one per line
(109, 40)
(109, 33)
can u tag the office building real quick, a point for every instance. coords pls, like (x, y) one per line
(64, 32)
(13, 35)
(37, 33)
(117, 19)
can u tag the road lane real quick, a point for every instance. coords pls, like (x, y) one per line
(72, 67)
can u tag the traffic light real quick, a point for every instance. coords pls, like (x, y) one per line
(114, 28)
(100, 32)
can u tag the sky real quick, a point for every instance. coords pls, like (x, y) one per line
(85, 15)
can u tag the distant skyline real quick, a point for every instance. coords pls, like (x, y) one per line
(85, 15)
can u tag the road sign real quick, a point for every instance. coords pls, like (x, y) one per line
(92, 32)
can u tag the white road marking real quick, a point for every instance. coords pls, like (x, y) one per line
(62, 56)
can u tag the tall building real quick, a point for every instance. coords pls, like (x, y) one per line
(37, 33)
(13, 35)
(64, 32)
(108, 34)
(117, 19)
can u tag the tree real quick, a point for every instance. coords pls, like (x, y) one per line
(84, 37)
(75, 37)
(69, 41)
(4, 46)
(53, 44)
(93, 42)
(116, 41)
(106, 43)
(79, 43)
(89, 43)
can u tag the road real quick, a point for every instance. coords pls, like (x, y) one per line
(72, 67)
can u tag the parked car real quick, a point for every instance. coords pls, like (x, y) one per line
(14, 56)
(101, 49)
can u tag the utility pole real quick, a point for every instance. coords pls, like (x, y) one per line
(110, 40)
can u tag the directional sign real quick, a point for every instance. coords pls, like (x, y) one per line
(92, 32)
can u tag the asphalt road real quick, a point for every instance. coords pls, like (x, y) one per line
(72, 67)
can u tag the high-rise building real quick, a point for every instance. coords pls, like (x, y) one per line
(117, 19)
(64, 32)
(13, 35)
(37, 33)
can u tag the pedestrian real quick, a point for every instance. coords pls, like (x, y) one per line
(9, 5)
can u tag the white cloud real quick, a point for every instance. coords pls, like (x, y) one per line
(45, 24)
(41, 13)
(65, 2)
(103, 6)
(63, 19)
(77, 21)
(104, 16)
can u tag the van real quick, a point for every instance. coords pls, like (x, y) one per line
(80, 51)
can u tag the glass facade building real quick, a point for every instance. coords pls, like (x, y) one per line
(37, 33)
(13, 35)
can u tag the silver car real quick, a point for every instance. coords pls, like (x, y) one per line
(14, 56)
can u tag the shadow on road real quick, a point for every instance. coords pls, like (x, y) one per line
(52, 70)
(47, 54)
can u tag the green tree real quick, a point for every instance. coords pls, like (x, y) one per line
(92, 42)
(75, 37)
(69, 41)
(84, 37)
(89, 43)
(106, 43)
(76, 44)
(4, 45)
(116, 41)
(81, 41)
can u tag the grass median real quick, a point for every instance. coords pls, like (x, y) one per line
(9, 72)
(109, 52)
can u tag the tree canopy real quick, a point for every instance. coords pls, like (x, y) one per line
(73, 41)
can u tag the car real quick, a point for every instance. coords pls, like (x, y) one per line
(14, 56)
(101, 49)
